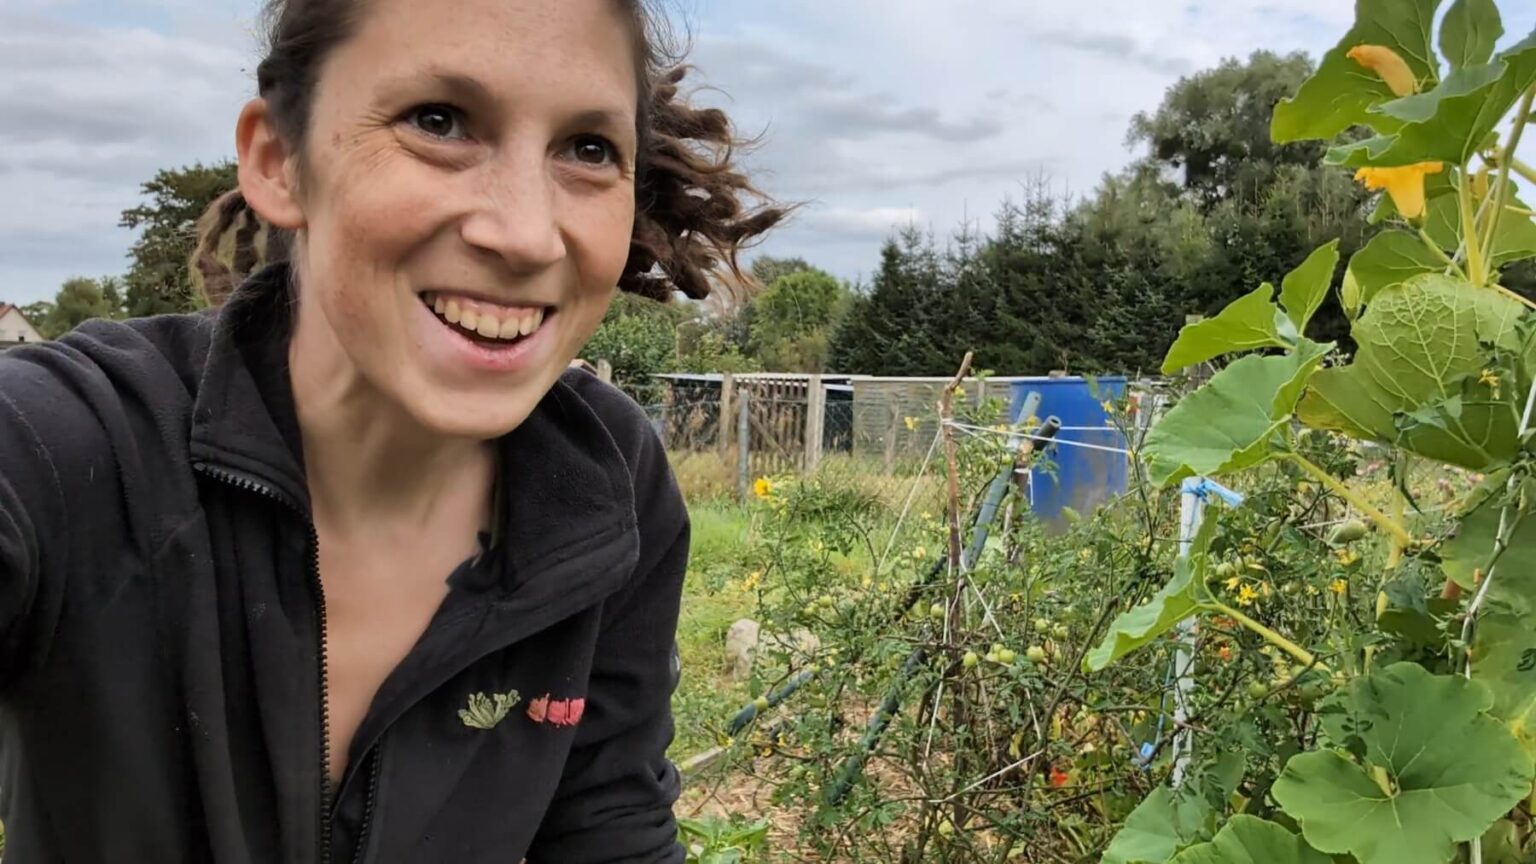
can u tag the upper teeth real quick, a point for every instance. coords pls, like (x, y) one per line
(487, 319)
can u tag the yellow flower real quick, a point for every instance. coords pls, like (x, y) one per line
(1405, 183)
(1233, 583)
(1387, 64)
(1311, 590)
(1491, 379)
(763, 488)
(1346, 557)
(751, 581)
(1108, 406)
(866, 582)
(911, 423)
(1338, 586)
(919, 553)
(1246, 596)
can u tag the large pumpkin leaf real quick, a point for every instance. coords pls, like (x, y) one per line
(1339, 93)
(1304, 288)
(1450, 770)
(1247, 323)
(1251, 840)
(1159, 613)
(1469, 31)
(1162, 824)
(1515, 238)
(1391, 258)
(1229, 424)
(1504, 649)
(1504, 660)
(1416, 379)
(1450, 122)
(1470, 547)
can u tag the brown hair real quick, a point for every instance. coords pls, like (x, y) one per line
(695, 209)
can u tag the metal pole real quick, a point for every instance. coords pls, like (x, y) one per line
(743, 448)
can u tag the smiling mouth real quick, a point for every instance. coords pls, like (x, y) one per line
(489, 324)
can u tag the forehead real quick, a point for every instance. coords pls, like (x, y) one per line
(577, 53)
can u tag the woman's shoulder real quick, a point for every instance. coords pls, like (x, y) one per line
(161, 353)
(623, 417)
(105, 378)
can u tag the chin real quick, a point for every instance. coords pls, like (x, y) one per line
(468, 417)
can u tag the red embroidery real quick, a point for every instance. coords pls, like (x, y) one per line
(538, 708)
(560, 712)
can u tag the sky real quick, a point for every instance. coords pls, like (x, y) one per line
(872, 114)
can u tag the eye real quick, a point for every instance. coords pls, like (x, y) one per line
(439, 121)
(593, 150)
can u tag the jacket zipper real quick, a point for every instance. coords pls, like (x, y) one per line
(373, 791)
(248, 484)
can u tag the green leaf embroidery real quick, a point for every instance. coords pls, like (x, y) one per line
(484, 712)
(1469, 31)
(1229, 424)
(1250, 840)
(1450, 770)
(1304, 288)
(1415, 380)
(1339, 93)
(1162, 611)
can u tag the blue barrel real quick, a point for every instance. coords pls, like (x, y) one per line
(1082, 477)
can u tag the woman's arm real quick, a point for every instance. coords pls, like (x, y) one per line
(29, 492)
(614, 803)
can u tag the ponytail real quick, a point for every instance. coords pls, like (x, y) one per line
(217, 267)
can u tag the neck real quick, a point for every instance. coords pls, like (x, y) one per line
(368, 463)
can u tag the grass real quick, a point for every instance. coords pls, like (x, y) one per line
(707, 697)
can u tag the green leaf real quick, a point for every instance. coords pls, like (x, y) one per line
(1451, 122)
(1162, 824)
(1468, 32)
(1247, 323)
(1450, 770)
(1504, 648)
(1515, 238)
(1339, 93)
(1304, 288)
(1504, 660)
(1171, 604)
(1228, 424)
(1251, 840)
(1391, 258)
(1414, 382)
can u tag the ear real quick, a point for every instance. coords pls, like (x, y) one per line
(268, 179)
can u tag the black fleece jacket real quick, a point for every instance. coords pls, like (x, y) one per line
(162, 650)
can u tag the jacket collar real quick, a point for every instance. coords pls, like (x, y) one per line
(564, 482)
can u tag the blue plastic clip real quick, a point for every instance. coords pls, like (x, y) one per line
(1205, 487)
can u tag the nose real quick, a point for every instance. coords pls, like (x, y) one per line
(517, 218)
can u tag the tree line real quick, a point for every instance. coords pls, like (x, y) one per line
(1208, 209)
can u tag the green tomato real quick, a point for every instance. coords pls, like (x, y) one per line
(1060, 631)
(937, 611)
(1226, 570)
(970, 660)
(824, 601)
(760, 703)
(991, 657)
(1348, 532)
(1257, 690)
(1035, 653)
(1006, 656)
(1042, 624)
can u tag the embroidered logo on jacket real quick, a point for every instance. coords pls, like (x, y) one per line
(560, 712)
(484, 712)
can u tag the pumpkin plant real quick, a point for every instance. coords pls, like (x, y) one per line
(1418, 756)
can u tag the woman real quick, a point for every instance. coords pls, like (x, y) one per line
(354, 569)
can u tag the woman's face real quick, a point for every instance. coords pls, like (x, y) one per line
(468, 200)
